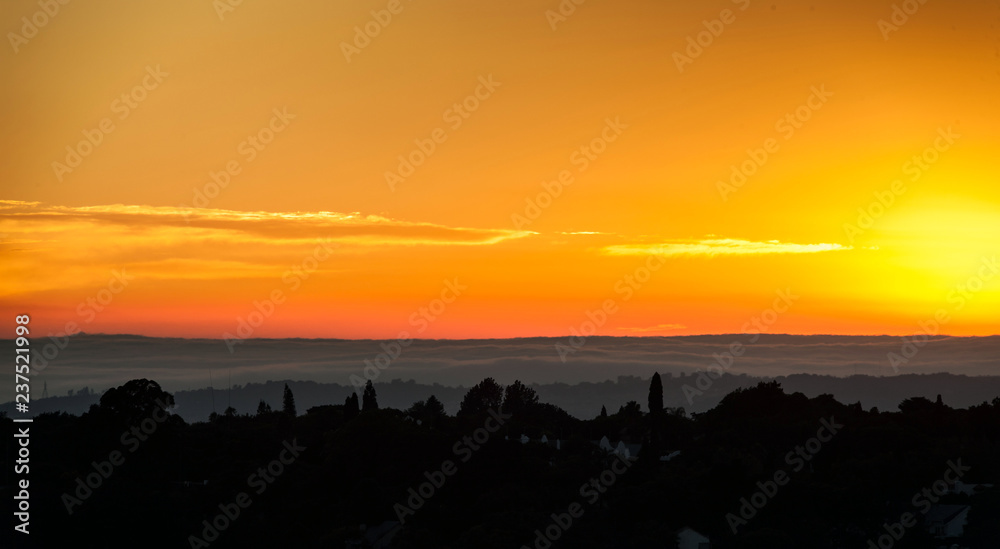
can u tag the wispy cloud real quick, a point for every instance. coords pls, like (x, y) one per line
(54, 248)
(272, 227)
(721, 246)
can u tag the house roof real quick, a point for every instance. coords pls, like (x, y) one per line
(688, 532)
(945, 513)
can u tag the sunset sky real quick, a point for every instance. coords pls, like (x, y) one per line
(617, 99)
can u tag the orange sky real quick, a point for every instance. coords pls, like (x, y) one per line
(615, 100)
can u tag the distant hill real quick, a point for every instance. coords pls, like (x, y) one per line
(606, 371)
(103, 361)
(582, 400)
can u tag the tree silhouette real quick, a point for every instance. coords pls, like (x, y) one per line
(480, 398)
(630, 409)
(916, 405)
(519, 398)
(727, 453)
(135, 401)
(263, 408)
(765, 399)
(434, 407)
(289, 402)
(369, 403)
(655, 394)
(351, 407)
(429, 412)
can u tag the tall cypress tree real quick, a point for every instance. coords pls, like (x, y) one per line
(289, 402)
(368, 400)
(351, 407)
(655, 394)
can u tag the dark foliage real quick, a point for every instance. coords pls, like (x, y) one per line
(288, 402)
(369, 401)
(357, 469)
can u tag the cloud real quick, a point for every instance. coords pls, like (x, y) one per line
(49, 248)
(721, 246)
(257, 226)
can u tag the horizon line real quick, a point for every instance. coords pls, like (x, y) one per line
(929, 337)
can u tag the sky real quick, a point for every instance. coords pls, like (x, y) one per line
(265, 169)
